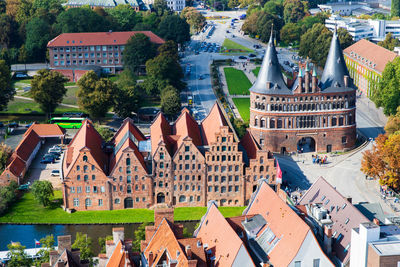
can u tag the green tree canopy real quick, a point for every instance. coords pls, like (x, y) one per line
(293, 11)
(105, 132)
(390, 42)
(48, 90)
(274, 7)
(81, 20)
(170, 100)
(290, 33)
(102, 242)
(37, 36)
(140, 234)
(195, 19)
(127, 100)
(163, 67)
(6, 90)
(7, 196)
(260, 23)
(393, 124)
(137, 51)
(170, 49)
(44, 254)
(84, 244)
(42, 191)
(95, 95)
(8, 31)
(5, 154)
(17, 256)
(125, 16)
(387, 91)
(160, 7)
(395, 10)
(173, 27)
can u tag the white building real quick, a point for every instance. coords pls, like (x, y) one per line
(370, 242)
(375, 30)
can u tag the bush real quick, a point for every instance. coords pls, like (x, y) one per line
(7, 196)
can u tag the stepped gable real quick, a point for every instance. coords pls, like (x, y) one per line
(250, 145)
(332, 79)
(270, 79)
(127, 136)
(185, 126)
(159, 130)
(286, 225)
(212, 124)
(86, 137)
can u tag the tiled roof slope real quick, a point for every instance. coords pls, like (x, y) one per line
(118, 258)
(46, 130)
(99, 38)
(371, 52)
(250, 145)
(186, 125)
(197, 249)
(159, 130)
(212, 124)
(86, 137)
(222, 240)
(27, 145)
(282, 221)
(16, 166)
(320, 192)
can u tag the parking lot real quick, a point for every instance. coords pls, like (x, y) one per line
(40, 171)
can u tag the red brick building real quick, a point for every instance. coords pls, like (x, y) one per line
(317, 115)
(78, 52)
(185, 163)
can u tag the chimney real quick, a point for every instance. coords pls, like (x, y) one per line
(159, 214)
(118, 234)
(53, 255)
(346, 80)
(64, 242)
(46, 264)
(268, 85)
(376, 221)
(328, 239)
(150, 259)
(188, 252)
(60, 263)
(349, 199)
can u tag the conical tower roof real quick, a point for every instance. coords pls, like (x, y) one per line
(335, 67)
(270, 72)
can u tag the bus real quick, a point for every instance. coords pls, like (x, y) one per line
(68, 122)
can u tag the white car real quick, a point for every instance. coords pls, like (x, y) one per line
(55, 173)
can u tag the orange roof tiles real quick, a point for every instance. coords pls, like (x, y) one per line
(27, 145)
(371, 52)
(212, 124)
(250, 145)
(99, 38)
(283, 222)
(186, 125)
(118, 257)
(17, 166)
(159, 129)
(46, 130)
(217, 233)
(197, 249)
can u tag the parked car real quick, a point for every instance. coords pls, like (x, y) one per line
(55, 149)
(52, 155)
(201, 77)
(252, 55)
(242, 57)
(13, 125)
(28, 125)
(47, 160)
(55, 173)
(1, 124)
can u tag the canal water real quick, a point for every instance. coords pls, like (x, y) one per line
(26, 234)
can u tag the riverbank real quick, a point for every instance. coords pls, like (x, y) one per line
(28, 211)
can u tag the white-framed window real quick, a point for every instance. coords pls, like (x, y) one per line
(100, 202)
(72, 189)
(87, 189)
(102, 189)
(88, 202)
(76, 202)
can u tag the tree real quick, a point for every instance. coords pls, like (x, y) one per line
(37, 37)
(173, 27)
(290, 33)
(102, 242)
(105, 132)
(42, 191)
(44, 254)
(160, 6)
(274, 8)
(8, 31)
(84, 244)
(393, 124)
(395, 10)
(264, 25)
(6, 90)
(390, 42)
(7, 196)
(95, 95)
(48, 90)
(137, 51)
(140, 234)
(165, 68)
(233, 3)
(387, 90)
(81, 20)
(170, 49)
(293, 11)
(345, 38)
(383, 160)
(5, 154)
(170, 101)
(153, 86)
(240, 127)
(125, 16)
(127, 100)
(195, 19)
(17, 256)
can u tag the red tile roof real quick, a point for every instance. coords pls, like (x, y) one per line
(159, 130)
(320, 192)
(99, 38)
(86, 137)
(282, 221)
(185, 126)
(372, 52)
(17, 166)
(197, 249)
(118, 256)
(46, 130)
(250, 145)
(27, 145)
(212, 124)
(216, 232)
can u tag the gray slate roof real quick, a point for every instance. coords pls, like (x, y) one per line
(270, 72)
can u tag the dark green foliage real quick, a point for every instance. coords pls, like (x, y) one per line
(395, 10)
(160, 7)
(170, 101)
(274, 8)
(102, 242)
(294, 11)
(48, 89)
(43, 192)
(6, 90)
(37, 37)
(175, 28)
(290, 33)
(17, 256)
(7, 196)
(170, 49)
(260, 23)
(95, 95)
(125, 17)
(137, 51)
(139, 234)
(8, 31)
(105, 132)
(81, 20)
(240, 127)
(387, 92)
(390, 42)
(5, 153)
(84, 244)
(44, 254)
(153, 86)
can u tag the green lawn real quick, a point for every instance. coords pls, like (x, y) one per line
(27, 210)
(256, 71)
(232, 46)
(70, 98)
(237, 81)
(27, 106)
(243, 105)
